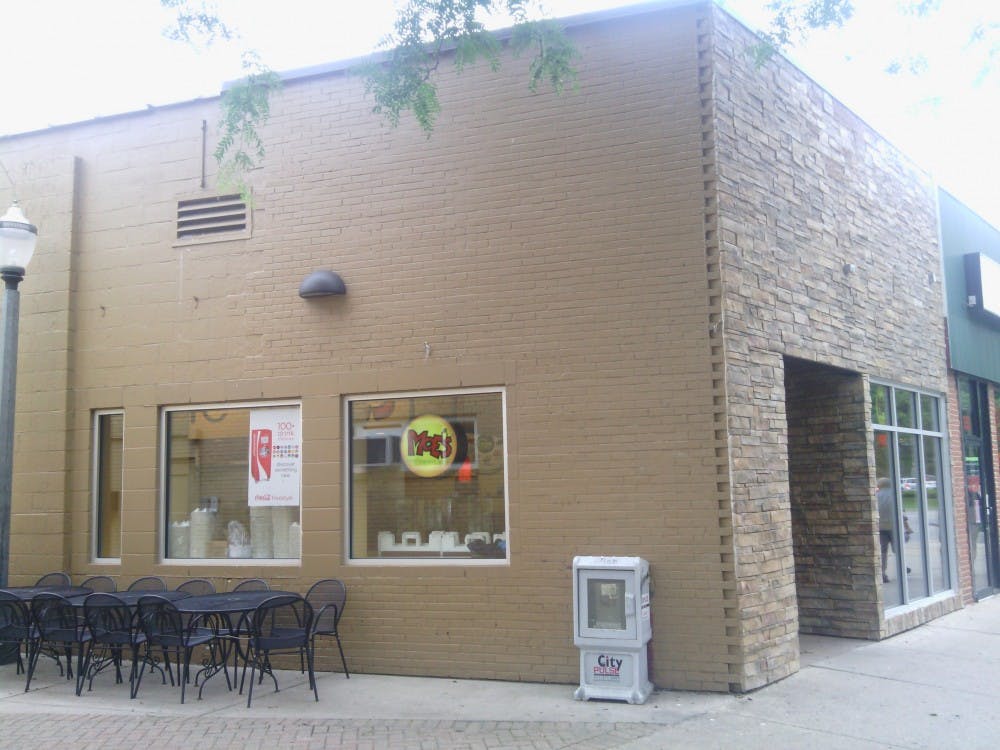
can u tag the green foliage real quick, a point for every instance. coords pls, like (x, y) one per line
(919, 7)
(196, 23)
(554, 53)
(982, 45)
(426, 30)
(246, 106)
(986, 37)
(793, 20)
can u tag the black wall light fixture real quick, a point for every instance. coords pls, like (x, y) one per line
(322, 284)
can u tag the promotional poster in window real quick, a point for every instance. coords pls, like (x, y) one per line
(275, 458)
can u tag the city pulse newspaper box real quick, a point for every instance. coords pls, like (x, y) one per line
(612, 627)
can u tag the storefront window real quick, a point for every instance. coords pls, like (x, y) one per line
(428, 478)
(913, 527)
(108, 451)
(929, 413)
(881, 406)
(979, 482)
(937, 542)
(905, 413)
(232, 483)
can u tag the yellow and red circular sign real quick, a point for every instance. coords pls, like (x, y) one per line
(429, 445)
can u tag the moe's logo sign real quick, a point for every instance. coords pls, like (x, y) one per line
(429, 444)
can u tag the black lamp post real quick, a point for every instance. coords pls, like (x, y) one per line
(17, 244)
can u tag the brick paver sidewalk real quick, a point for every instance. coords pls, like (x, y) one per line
(137, 732)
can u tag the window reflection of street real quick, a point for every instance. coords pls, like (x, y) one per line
(908, 451)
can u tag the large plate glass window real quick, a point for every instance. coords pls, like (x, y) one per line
(232, 482)
(913, 522)
(108, 442)
(428, 476)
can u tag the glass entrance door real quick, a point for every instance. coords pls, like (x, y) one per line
(980, 510)
(980, 496)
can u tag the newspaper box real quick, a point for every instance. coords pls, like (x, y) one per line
(612, 627)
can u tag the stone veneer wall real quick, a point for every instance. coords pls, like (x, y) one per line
(829, 253)
(833, 520)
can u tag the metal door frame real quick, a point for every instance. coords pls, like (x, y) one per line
(983, 445)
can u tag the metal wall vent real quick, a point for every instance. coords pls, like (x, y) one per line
(205, 218)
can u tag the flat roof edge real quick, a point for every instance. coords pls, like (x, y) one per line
(569, 22)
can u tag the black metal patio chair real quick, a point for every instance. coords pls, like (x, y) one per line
(172, 632)
(197, 587)
(113, 630)
(328, 598)
(102, 584)
(60, 626)
(252, 584)
(17, 629)
(148, 583)
(281, 624)
(55, 579)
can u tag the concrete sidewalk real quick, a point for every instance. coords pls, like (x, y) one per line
(934, 687)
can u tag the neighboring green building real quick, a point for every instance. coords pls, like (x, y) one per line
(970, 249)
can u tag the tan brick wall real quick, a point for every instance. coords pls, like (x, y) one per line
(45, 187)
(551, 245)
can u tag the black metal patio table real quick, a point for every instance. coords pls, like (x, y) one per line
(226, 603)
(27, 593)
(131, 598)
(218, 611)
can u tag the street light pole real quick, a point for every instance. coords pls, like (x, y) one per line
(17, 244)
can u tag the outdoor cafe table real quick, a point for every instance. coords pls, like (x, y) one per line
(27, 593)
(227, 603)
(220, 610)
(77, 595)
(131, 598)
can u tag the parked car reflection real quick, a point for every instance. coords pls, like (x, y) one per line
(910, 484)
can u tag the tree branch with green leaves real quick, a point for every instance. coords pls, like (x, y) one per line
(246, 106)
(403, 80)
(793, 20)
(428, 30)
(427, 33)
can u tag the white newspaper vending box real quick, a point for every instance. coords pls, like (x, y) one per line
(612, 627)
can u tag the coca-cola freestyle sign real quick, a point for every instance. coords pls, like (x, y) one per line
(275, 457)
(428, 445)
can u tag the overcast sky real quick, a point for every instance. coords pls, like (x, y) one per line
(70, 60)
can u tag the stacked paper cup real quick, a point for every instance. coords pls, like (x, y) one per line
(281, 519)
(180, 538)
(260, 533)
(295, 540)
(201, 532)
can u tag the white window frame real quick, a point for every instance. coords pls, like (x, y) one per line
(946, 500)
(95, 485)
(286, 562)
(348, 472)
